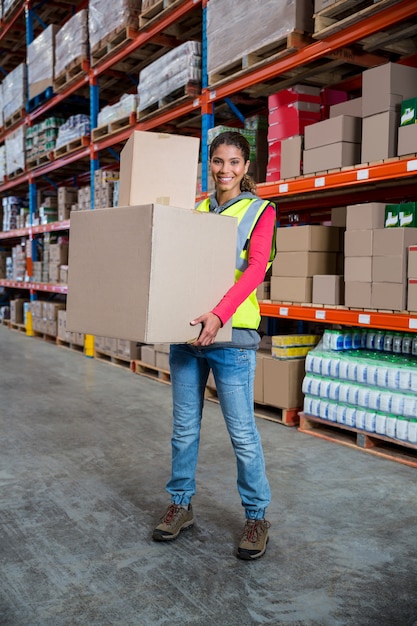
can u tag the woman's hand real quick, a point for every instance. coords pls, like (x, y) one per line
(210, 327)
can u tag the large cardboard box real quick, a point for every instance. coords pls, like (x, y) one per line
(143, 273)
(391, 296)
(407, 139)
(365, 216)
(304, 263)
(412, 262)
(393, 241)
(310, 238)
(350, 107)
(333, 130)
(358, 294)
(258, 389)
(412, 295)
(385, 86)
(359, 242)
(389, 269)
(380, 136)
(291, 289)
(328, 289)
(158, 167)
(283, 382)
(291, 155)
(358, 269)
(332, 156)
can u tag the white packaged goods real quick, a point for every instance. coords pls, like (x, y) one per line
(14, 91)
(401, 431)
(126, 105)
(75, 127)
(15, 151)
(391, 426)
(380, 424)
(2, 162)
(173, 70)
(40, 61)
(71, 42)
(350, 416)
(370, 421)
(259, 22)
(107, 16)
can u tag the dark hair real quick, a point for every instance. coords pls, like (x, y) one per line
(232, 138)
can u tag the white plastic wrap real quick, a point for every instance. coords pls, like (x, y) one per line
(71, 41)
(75, 127)
(235, 29)
(2, 162)
(1, 105)
(173, 70)
(126, 105)
(7, 6)
(15, 151)
(40, 61)
(106, 16)
(14, 91)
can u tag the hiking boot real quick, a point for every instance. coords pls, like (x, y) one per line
(174, 520)
(254, 539)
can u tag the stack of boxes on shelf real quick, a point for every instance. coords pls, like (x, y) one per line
(106, 184)
(107, 19)
(65, 335)
(71, 49)
(41, 140)
(41, 62)
(45, 316)
(332, 143)
(304, 252)
(67, 198)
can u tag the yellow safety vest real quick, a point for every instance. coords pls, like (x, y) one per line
(247, 211)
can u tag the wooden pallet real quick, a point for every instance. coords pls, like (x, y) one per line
(15, 118)
(373, 443)
(5, 322)
(107, 130)
(73, 71)
(157, 11)
(44, 336)
(69, 345)
(112, 43)
(15, 174)
(41, 159)
(344, 13)
(177, 97)
(265, 54)
(150, 371)
(19, 327)
(73, 145)
(112, 358)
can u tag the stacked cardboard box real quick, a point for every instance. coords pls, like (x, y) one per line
(361, 222)
(71, 43)
(14, 92)
(84, 198)
(65, 335)
(41, 137)
(412, 279)
(332, 143)
(375, 259)
(389, 269)
(290, 111)
(17, 310)
(383, 89)
(104, 183)
(67, 197)
(58, 255)
(303, 251)
(407, 132)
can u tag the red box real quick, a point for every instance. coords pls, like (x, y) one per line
(273, 175)
(297, 93)
(289, 128)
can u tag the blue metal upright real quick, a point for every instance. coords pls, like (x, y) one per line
(94, 107)
(207, 114)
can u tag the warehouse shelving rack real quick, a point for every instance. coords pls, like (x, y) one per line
(393, 179)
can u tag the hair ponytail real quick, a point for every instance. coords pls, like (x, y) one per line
(248, 184)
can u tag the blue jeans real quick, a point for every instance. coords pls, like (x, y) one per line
(234, 372)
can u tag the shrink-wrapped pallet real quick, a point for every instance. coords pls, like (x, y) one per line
(8, 5)
(1, 106)
(175, 69)
(71, 42)
(2, 163)
(40, 61)
(236, 29)
(75, 127)
(127, 104)
(15, 151)
(108, 16)
(14, 92)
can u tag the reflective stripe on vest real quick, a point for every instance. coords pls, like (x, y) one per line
(247, 211)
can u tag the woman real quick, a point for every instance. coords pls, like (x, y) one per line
(233, 363)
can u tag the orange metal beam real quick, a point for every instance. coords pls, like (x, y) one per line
(404, 322)
(389, 16)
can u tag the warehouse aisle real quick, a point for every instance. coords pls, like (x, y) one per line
(85, 455)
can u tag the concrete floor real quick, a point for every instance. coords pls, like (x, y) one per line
(85, 455)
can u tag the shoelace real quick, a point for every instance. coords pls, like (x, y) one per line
(170, 514)
(253, 529)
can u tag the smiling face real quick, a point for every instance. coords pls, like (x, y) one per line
(228, 167)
